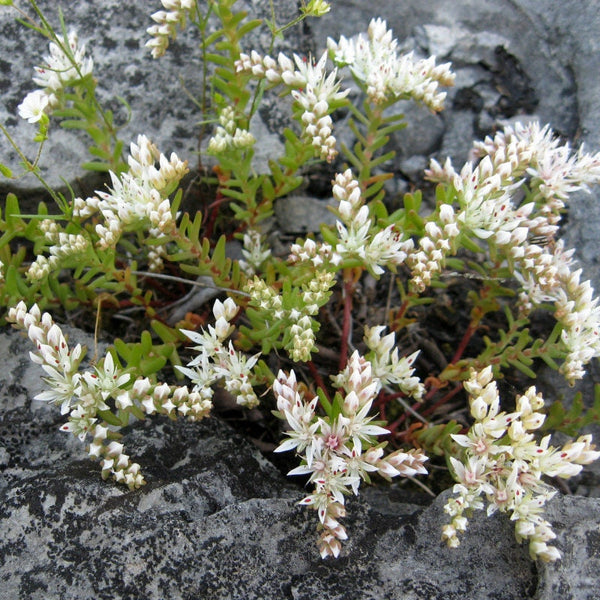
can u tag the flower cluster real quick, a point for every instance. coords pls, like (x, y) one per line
(388, 367)
(317, 253)
(554, 171)
(217, 360)
(386, 248)
(300, 337)
(315, 92)
(374, 61)
(255, 253)
(165, 399)
(437, 242)
(82, 395)
(229, 135)
(340, 450)
(293, 310)
(65, 245)
(504, 463)
(88, 396)
(490, 203)
(66, 65)
(166, 24)
(136, 197)
(144, 397)
(316, 8)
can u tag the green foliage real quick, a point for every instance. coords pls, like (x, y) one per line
(436, 440)
(148, 357)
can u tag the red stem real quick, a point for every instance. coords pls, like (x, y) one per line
(443, 399)
(471, 329)
(393, 426)
(317, 377)
(402, 309)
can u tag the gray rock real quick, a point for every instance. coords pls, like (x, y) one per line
(575, 521)
(423, 132)
(456, 144)
(298, 214)
(414, 166)
(438, 40)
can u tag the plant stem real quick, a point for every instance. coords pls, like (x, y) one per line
(455, 390)
(317, 377)
(471, 329)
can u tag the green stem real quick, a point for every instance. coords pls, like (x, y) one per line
(32, 168)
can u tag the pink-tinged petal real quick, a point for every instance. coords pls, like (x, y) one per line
(385, 468)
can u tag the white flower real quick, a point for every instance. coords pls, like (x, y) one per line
(332, 447)
(166, 27)
(80, 423)
(138, 197)
(254, 251)
(107, 379)
(63, 68)
(316, 94)
(236, 369)
(388, 367)
(229, 136)
(62, 388)
(509, 474)
(302, 435)
(34, 106)
(374, 61)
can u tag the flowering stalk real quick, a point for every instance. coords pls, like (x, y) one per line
(376, 65)
(359, 239)
(315, 92)
(166, 24)
(504, 463)
(490, 208)
(100, 402)
(138, 198)
(83, 396)
(219, 361)
(339, 450)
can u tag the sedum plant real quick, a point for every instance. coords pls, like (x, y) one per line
(495, 221)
